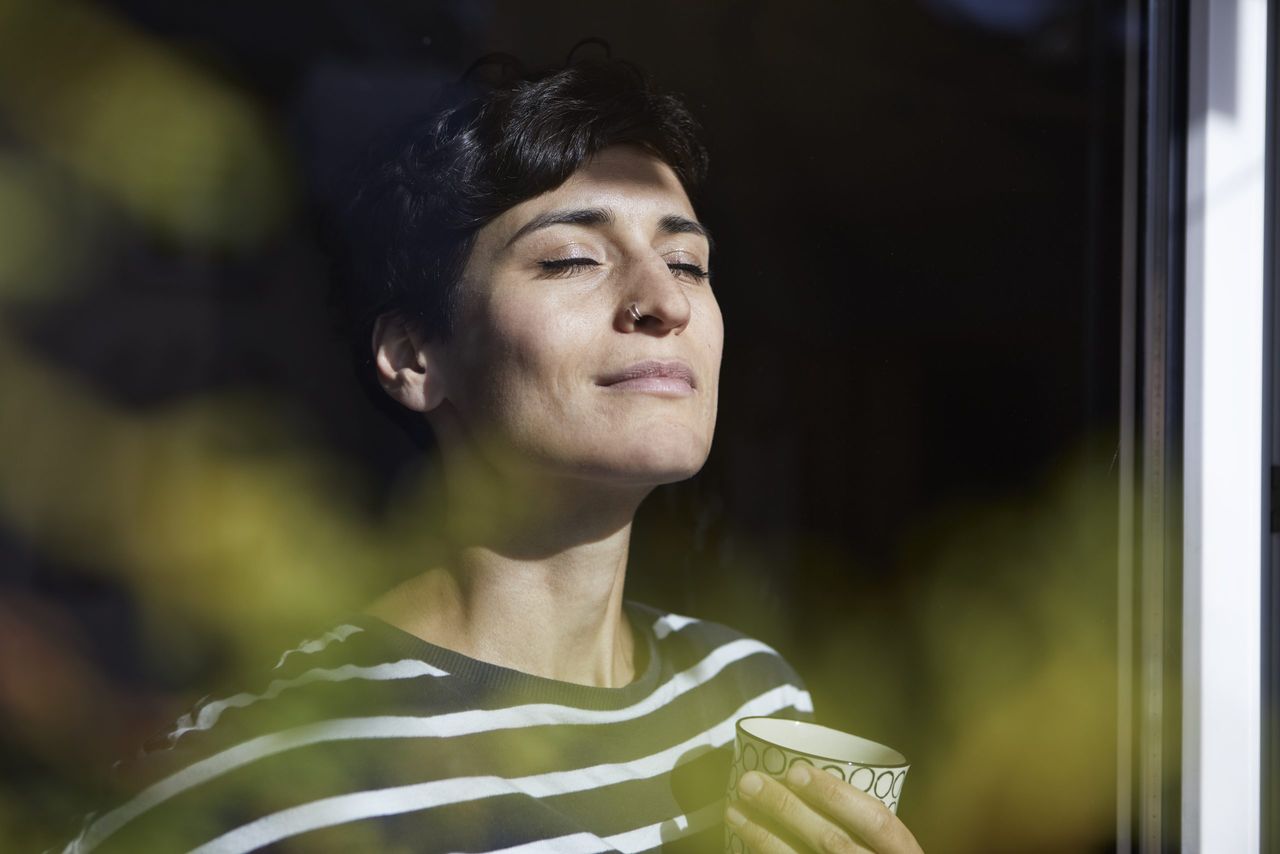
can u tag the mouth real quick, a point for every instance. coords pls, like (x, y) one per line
(663, 378)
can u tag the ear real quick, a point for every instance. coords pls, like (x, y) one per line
(407, 369)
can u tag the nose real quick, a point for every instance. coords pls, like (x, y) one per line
(653, 300)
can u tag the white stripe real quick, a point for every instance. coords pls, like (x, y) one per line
(409, 668)
(340, 633)
(664, 626)
(397, 800)
(206, 718)
(641, 839)
(438, 726)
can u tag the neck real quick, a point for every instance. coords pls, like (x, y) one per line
(532, 578)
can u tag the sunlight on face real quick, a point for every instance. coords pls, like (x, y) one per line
(549, 363)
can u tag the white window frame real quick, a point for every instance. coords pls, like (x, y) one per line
(1226, 459)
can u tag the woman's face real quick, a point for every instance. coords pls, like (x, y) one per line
(548, 366)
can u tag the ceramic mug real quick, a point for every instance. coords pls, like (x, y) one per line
(772, 745)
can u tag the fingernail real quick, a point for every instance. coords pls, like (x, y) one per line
(734, 817)
(751, 783)
(798, 775)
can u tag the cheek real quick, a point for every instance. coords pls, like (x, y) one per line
(525, 358)
(711, 334)
(715, 343)
(537, 339)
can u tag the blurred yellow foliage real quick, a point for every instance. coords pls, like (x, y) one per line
(997, 670)
(184, 152)
(213, 512)
(47, 230)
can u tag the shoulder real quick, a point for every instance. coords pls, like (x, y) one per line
(681, 631)
(320, 675)
(240, 754)
(705, 649)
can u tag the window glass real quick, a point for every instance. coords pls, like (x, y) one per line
(912, 492)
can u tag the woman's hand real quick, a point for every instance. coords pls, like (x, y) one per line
(814, 811)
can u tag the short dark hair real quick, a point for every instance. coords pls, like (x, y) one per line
(400, 241)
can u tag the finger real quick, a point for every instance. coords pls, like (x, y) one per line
(865, 816)
(767, 824)
(754, 834)
(777, 802)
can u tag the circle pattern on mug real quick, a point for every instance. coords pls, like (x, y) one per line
(775, 761)
(834, 770)
(862, 778)
(885, 777)
(750, 759)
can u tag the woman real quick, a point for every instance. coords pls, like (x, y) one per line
(535, 284)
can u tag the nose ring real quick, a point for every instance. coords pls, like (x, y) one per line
(635, 313)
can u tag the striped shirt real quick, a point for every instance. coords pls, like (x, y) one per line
(370, 739)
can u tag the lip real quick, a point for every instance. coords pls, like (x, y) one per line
(671, 378)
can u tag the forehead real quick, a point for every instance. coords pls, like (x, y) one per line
(628, 181)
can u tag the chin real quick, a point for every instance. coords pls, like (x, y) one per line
(647, 463)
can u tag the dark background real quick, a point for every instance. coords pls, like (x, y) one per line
(917, 215)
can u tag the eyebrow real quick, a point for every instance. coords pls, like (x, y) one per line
(675, 224)
(669, 224)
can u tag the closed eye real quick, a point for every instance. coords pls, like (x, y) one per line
(557, 267)
(690, 270)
